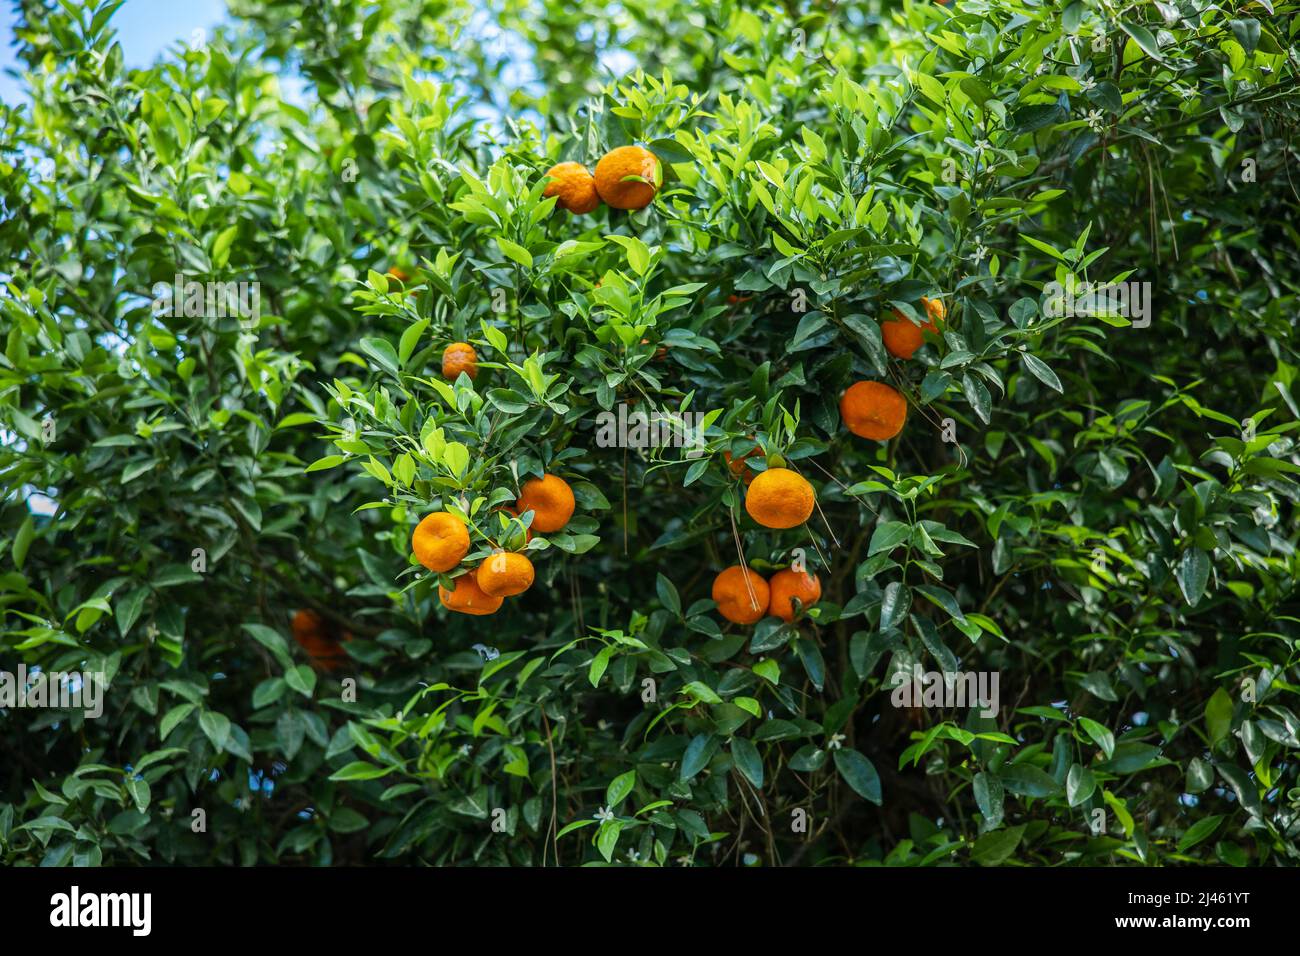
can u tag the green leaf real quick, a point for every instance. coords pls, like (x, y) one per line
(747, 760)
(619, 788)
(516, 252)
(599, 663)
(1243, 786)
(23, 541)
(127, 611)
(887, 536)
(1218, 715)
(995, 848)
(1040, 371)
(990, 796)
(359, 770)
(272, 641)
(301, 678)
(1199, 831)
(1193, 574)
(172, 718)
(1130, 757)
(698, 754)
(894, 605)
(607, 838)
(381, 350)
(1100, 735)
(1143, 38)
(1025, 780)
(1079, 784)
(217, 728)
(859, 773)
(668, 595)
(410, 339)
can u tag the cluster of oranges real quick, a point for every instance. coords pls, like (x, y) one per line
(780, 498)
(441, 541)
(777, 498)
(744, 596)
(625, 178)
(875, 410)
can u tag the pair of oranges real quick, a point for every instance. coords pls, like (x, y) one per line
(873, 409)
(626, 178)
(744, 596)
(441, 540)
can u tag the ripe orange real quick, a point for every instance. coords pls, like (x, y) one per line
(459, 357)
(902, 338)
(738, 466)
(873, 410)
(400, 274)
(779, 498)
(550, 499)
(788, 584)
(440, 540)
(574, 185)
(620, 163)
(737, 601)
(314, 634)
(935, 309)
(468, 597)
(505, 574)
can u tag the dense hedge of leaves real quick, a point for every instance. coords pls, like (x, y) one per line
(1112, 531)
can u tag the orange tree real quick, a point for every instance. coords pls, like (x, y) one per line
(836, 252)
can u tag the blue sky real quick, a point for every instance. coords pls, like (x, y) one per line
(144, 28)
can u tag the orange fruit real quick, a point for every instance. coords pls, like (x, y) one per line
(459, 357)
(505, 574)
(574, 185)
(902, 338)
(316, 637)
(468, 597)
(440, 540)
(936, 310)
(616, 165)
(400, 274)
(738, 466)
(550, 499)
(873, 410)
(779, 498)
(788, 584)
(738, 601)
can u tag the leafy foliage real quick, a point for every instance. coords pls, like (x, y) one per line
(1112, 531)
